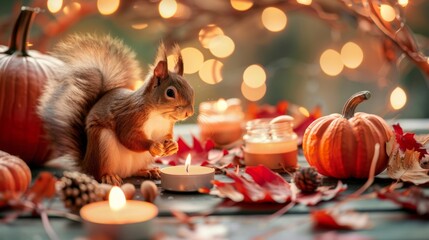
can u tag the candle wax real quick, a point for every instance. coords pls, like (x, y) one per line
(133, 212)
(177, 179)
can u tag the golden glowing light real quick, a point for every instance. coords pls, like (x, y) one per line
(403, 3)
(253, 94)
(167, 8)
(211, 71)
(117, 199)
(351, 55)
(387, 12)
(139, 26)
(398, 98)
(54, 5)
(274, 19)
(331, 62)
(72, 7)
(221, 46)
(254, 76)
(192, 60)
(241, 5)
(304, 111)
(207, 33)
(107, 7)
(304, 2)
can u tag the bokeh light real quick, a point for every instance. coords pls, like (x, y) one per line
(351, 55)
(387, 12)
(304, 111)
(274, 19)
(241, 5)
(167, 8)
(253, 94)
(192, 60)
(54, 5)
(403, 3)
(304, 2)
(71, 8)
(254, 76)
(331, 62)
(139, 26)
(171, 62)
(221, 105)
(211, 71)
(398, 98)
(107, 7)
(221, 46)
(207, 33)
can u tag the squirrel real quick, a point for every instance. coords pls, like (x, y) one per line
(93, 116)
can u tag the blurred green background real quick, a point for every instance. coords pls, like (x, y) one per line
(290, 57)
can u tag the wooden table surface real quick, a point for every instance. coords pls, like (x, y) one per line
(245, 221)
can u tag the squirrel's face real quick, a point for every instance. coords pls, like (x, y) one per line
(170, 92)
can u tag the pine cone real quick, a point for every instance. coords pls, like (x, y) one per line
(77, 189)
(307, 180)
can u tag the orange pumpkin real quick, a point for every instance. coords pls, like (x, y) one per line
(342, 145)
(15, 177)
(22, 77)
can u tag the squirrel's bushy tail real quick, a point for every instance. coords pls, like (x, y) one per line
(92, 66)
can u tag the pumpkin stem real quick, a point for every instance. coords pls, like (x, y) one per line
(21, 27)
(351, 104)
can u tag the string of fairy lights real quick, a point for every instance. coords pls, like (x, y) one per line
(212, 37)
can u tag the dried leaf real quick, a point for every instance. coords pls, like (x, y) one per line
(323, 193)
(406, 167)
(413, 198)
(340, 219)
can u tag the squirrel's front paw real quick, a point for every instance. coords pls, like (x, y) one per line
(111, 179)
(170, 147)
(157, 149)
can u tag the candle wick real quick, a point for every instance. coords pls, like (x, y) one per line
(187, 169)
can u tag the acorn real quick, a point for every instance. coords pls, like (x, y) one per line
(149, 190)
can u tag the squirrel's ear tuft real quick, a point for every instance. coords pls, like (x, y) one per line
(161, 70)
(179, 60)
(161, 54)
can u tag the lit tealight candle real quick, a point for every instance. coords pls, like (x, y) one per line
(119, 218)
(186, 178)
(221, 121)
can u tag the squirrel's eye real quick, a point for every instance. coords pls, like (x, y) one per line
(170, 92)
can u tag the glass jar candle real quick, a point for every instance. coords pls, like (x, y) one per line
(221, 121)
(271, 142)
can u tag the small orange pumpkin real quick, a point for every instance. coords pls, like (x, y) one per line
(342, 146)
(15, 176)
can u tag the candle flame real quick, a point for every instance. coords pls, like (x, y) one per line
(188, 163)
(221, 105)
(116, 198)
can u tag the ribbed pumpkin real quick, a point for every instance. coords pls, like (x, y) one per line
(22, 77)
(342, 145)
(15, 177)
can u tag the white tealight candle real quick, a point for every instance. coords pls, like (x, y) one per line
(119, 218)
(186, 178)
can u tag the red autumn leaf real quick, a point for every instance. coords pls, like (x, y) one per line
(339, 219)
(278, 189)
(407, 141)
(323, 193)
(413, 198)
(43, 187)
(199, 153)
(259, 185)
